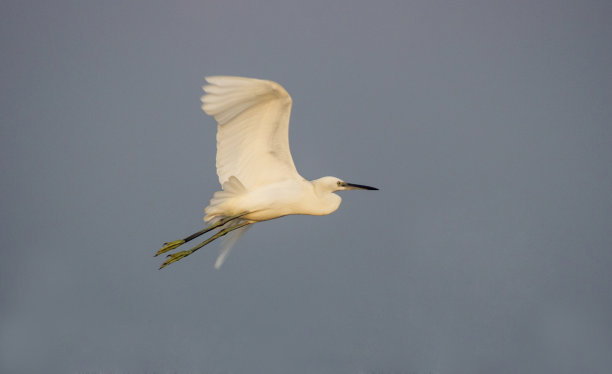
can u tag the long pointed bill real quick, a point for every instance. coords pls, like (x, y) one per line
(352, 186)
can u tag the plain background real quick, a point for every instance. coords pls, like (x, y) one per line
(487, 126)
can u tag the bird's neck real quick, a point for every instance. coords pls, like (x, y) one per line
(325, 201)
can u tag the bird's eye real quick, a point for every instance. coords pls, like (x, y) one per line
(339, 183)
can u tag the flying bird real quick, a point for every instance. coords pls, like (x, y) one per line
(258, 177)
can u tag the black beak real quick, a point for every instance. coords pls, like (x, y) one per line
(359, 187)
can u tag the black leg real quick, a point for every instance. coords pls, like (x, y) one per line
(178, 255)
(171, 245)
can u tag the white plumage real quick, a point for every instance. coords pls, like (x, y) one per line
(253, 117)
(254, 164)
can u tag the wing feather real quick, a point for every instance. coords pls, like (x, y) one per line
(253, 129)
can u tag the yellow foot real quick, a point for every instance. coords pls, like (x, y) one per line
(175, 257)
(170, 246)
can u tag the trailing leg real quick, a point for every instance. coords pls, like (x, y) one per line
(174, 244)
(177, 256)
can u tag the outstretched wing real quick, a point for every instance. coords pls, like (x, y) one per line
(228, 243)
(253, 129)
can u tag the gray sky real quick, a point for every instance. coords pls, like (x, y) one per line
(487, 126)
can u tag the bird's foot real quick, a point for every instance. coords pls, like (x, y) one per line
(175, 257)
(170, 246)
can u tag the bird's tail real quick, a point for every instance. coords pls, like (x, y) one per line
(220, 204)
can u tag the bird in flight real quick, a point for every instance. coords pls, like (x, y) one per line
(255, 168)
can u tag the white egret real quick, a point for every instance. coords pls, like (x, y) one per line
(255, 168)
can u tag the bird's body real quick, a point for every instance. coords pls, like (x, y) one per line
(275, 200)
(254, 164)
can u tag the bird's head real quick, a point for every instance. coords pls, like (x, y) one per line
(333, 184)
